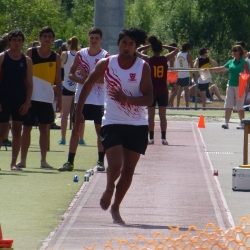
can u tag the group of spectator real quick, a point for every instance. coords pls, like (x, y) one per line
(113, 91)
(28, 83)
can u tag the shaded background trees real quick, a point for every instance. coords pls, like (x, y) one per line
(67, 17)
(211, 23)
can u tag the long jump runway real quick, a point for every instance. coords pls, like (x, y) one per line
(173, 186)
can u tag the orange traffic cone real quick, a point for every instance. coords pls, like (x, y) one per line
(4, 243)
(201, 123)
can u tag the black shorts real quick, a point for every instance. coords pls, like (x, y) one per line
(93, 113)
(10, 111)
(134, 138)
(160, 100)
(67, 92)
(183, 82)
(39, 113)
(203, 87)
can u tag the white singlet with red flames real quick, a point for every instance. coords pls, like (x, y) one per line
(129, 81)
(87, 63)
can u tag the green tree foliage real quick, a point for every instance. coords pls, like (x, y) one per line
(67, 5)
(225, 23)
(211, 23)
(78, 20)
(139, 14)
(67, 18)
(29, 16)
(82, 19)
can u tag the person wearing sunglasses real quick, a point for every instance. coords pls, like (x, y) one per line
(234, 67)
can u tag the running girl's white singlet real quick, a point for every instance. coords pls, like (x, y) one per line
(181, 62)
(129, 81)
(67, 83)
(87, 63)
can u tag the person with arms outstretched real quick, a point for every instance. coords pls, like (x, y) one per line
(234, 67)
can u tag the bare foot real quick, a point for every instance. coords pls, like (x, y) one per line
(106, 199)
(117, 219)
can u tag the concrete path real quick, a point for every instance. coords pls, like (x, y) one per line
(225, 151)
(173, 186)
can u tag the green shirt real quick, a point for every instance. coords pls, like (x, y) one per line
(235, 67)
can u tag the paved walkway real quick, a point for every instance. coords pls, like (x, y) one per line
(173, 186)
(225, 151)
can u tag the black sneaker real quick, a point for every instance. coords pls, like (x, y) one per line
(6, 143)
(225, 126)
(100, 166)
(54, 126)
(66, 167)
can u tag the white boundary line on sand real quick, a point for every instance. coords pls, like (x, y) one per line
(215, 204)
(77, 197)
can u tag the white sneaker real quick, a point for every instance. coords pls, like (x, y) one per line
(241, 126)
(164, 142)
(151, 141)
(21, 165)
(100, 166)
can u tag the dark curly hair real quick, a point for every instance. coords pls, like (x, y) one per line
(16, 33)
(137, 35)
(155, 43)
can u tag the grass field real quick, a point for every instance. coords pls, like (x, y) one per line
(33, 201)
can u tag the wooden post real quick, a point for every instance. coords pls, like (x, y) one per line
(245, 144)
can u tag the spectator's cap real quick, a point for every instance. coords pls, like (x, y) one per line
(58, 43)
